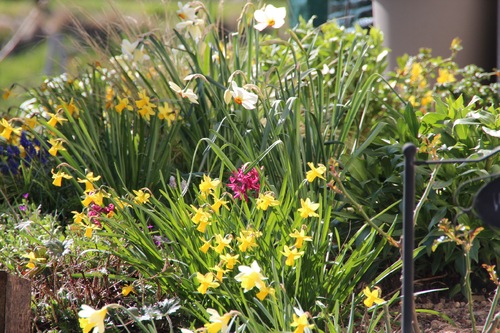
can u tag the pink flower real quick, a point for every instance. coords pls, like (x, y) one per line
(244, 183)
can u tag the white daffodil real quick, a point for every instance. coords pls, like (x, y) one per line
(250, 277)
(193, 27)
(91, 318)
(270, 16)
(186, 12)
(128, 48)
(184, 93)
(241, 96)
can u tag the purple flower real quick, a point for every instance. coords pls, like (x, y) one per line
(22, 208)
(244, 183)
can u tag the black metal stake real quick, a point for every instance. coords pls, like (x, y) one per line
(409, 151)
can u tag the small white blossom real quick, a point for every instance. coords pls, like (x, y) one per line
(270, 16)
(186, 93)
(241, 96)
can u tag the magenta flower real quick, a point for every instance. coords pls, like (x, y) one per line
(244, 183)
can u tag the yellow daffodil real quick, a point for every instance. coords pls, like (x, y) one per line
(206, 245)
(308, 208)
(78, 217)
(58, 176)
(56, 145)
(301, 323)
(265, 200)
(229, 260)
(96, 197)
(217, 323)
(291, 255)
(6, 93)
(201, 218)
(264, 291)
(372, 297)
(33, 259)
(92, 319)
(8, 129)
(123, 103)
(165, 112)
(89, 230)
(315, 172)
(70, 107)
(221, 243)
(218, 203)
(269, 16)
(445, 76)
(206, 281)
(207, 185)
(219, 272)
(247, 240)
(250, 277)
(89, 181)
(141, 197)
(186, 93)
(241, 96)
(55, 119)
(127, 289)
(300, 237)
(144, 106)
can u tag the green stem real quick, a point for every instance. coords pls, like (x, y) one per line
(468, 287)
(387, 318)
(491, 314)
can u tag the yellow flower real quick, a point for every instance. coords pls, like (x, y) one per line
(96, 197)
(145, 107)
(56, 145)
(167, 113)
(89, 181)
(207, 185)
(217, 322)
(315, 172)
(33, 259)
(127, 289)
(372, 297)
(222, 242)
(92, 319)
(301, 323)
(247, 240)
(219, 272)
(6, 93)
(265, 200)
(78, 217)
(141, 197)
(55, 119)
(445, 76)
(300, 237)
(70, 107)
(308, 208)
(206, 281)
(264, 291)
(8, 129)
(269, 16)
(201, 218)
(229, 260)
(416, 72)
(206, 245)
(89, 230)
(427, 99)
(291, 255)
(123, 104)
(59, 176)
(218, 202)
(250, 277)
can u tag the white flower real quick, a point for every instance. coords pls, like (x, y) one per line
(270, 16)
(186, 93)
(186, 12)
(241, 96)
(128, 48)
(250, 277)
(91, 318)
(193, 27)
